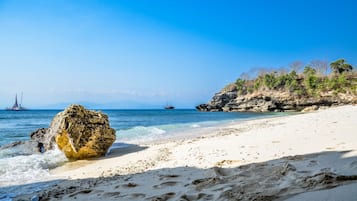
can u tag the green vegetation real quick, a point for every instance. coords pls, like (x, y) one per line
(340, 67)
(311, 82)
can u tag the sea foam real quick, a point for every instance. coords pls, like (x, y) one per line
(28, 169)
(140, 133)
(24, 174)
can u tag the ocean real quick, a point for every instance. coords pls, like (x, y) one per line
(20, 166)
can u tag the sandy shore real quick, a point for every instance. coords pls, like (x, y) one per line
(310, 156)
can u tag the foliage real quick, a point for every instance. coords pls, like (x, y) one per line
(269, 80)
(338, 83)
(339, 66)
(311, 81)
(292, 83)
(257, 83)
(240, 84)
(308, 70)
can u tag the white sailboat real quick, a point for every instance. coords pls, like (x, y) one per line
(16, 106)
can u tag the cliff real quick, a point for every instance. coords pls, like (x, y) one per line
(272, 101)
(286, 92)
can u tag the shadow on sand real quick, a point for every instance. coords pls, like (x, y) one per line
(119, 149)
(278, 179)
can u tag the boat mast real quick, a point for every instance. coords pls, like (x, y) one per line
(16, 104)
(21, 99)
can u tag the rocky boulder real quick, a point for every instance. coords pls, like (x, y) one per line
(310, 109)
(38, 143)
(44, 140)
(81, 133)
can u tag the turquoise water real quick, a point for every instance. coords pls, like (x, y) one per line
(130, 124)
(21, 166)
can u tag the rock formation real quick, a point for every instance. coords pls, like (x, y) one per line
(78, 132)
(229, 100)
(81, 133)
(43, 140)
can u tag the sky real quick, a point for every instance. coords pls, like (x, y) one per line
(147, 53)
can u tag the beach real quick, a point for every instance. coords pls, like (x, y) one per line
(307, 156)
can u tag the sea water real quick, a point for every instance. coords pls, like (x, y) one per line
(19, 165)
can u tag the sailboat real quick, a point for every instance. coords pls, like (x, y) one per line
(16, 106)
(169, 107)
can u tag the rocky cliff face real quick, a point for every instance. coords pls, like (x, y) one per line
(228, 100)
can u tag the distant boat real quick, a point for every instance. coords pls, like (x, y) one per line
(169, 107)
(16, 106)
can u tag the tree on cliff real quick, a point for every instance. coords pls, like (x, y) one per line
(339, 66)
(320, 66)
(296, 66)
(311, 81)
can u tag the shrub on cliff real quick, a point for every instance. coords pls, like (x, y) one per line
(309, 82)
(292, 83)
(240, 84)
(270, 81)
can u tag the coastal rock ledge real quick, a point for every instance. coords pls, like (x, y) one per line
(81, 133)
(229, 100)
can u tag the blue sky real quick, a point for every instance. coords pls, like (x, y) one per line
(142, 54)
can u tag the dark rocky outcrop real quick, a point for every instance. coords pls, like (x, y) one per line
(81, 133)
(44, 140)
(229, 100)
(20, 148)
(220, 99)
(39, 134)
(37, 144)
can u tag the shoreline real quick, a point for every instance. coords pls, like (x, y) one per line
(288, 155)
(123, 148)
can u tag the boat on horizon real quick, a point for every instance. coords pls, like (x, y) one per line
(16, 106)
(169, 107)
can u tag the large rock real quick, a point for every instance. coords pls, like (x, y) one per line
(81, 133)
(310, 109)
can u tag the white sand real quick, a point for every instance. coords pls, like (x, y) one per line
(266, 159)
